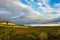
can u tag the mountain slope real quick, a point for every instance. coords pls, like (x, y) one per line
(10, 24)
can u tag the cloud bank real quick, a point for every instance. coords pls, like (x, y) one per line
(17, 12)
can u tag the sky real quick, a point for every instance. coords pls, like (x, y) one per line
(30, 11)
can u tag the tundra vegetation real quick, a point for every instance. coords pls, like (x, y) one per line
(29, 33)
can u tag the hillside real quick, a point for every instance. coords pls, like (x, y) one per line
(5, 23)
(10, 24)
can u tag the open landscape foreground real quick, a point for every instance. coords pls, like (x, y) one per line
(37, 33)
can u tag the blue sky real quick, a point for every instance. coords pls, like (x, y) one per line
(30, 11)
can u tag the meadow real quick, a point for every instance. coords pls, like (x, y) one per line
(31, 33)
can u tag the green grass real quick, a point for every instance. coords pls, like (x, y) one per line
(42, 33)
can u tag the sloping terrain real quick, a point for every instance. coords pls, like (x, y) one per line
(10, 24)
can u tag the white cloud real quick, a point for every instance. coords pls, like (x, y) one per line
(57, 6)
(16, 9)
(39, 4)
(48, 9)
(19, 12)
(50, 24)
(29, 1)
(46, 3)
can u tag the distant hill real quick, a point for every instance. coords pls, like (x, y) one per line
(11, 24)
(5, 23)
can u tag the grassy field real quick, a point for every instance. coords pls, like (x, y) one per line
(18, 33)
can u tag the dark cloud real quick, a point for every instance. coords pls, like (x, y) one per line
(13, 10)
